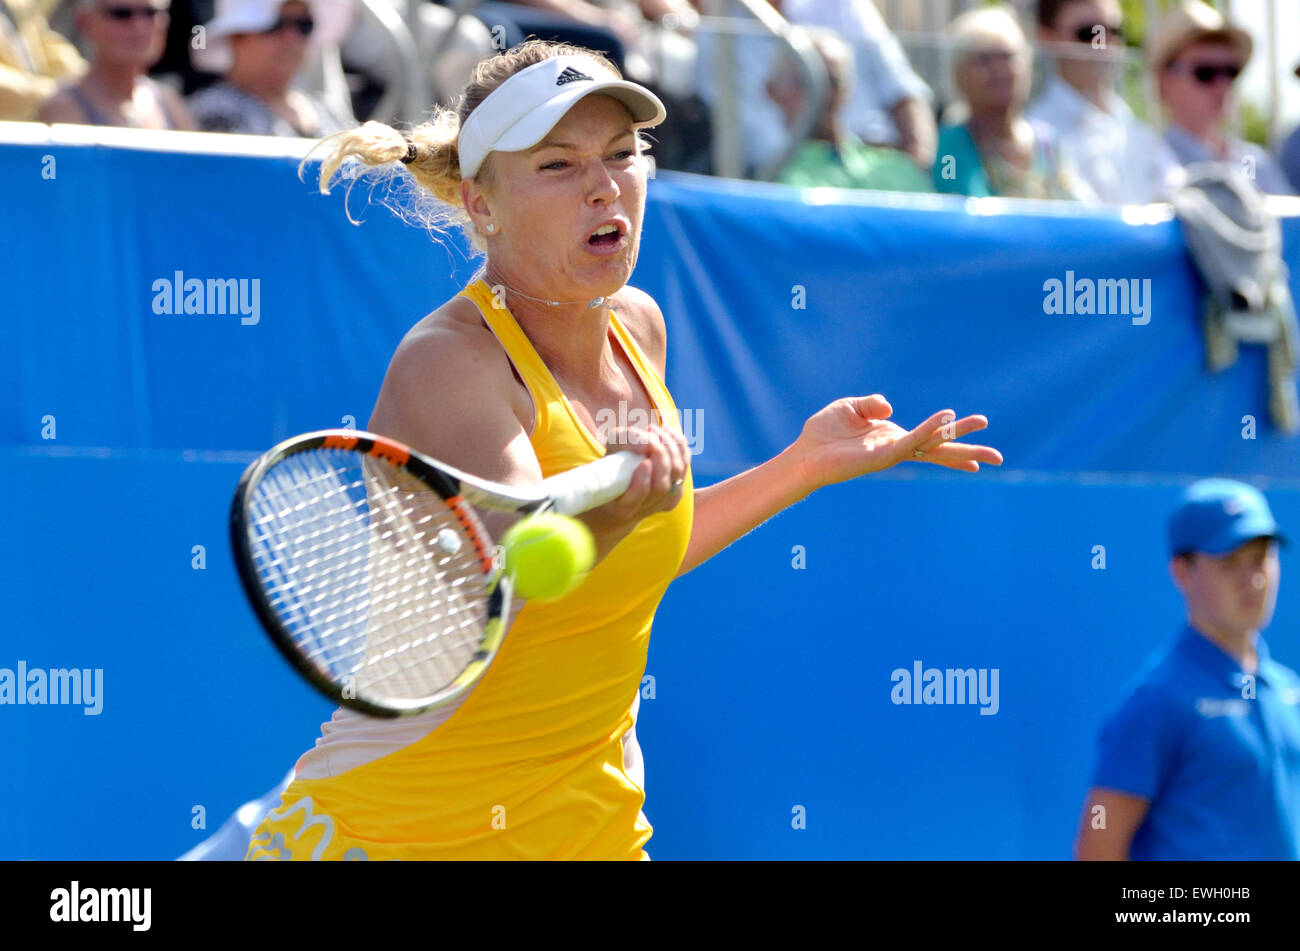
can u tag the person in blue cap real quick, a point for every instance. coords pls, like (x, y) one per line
(1202, 759)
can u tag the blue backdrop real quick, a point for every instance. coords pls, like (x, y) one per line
(772, 664)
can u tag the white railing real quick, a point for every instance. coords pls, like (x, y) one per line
(728, 147)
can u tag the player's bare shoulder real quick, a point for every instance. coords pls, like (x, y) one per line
(450, 358)
(450, 348)
(644, 321)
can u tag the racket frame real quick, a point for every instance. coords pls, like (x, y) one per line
(449, 485)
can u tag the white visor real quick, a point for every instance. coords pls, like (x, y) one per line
(522, 110)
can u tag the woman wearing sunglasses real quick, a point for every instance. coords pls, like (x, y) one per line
(259, 46)
(1197, 55)
(128, 38)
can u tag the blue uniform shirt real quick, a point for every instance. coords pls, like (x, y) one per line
(1216, 753)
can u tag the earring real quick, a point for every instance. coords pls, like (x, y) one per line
(491, 227)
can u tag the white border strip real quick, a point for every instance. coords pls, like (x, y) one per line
(154, 140)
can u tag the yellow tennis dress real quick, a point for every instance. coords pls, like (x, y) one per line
(531, 764)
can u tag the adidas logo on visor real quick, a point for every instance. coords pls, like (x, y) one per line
(571, 75)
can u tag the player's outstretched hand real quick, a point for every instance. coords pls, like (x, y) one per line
(853, 436)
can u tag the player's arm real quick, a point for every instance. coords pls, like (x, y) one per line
(726, 511)
(1110, 820)
(849, 438)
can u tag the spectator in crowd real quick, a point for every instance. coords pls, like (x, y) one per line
(609, 28)
(1202, 760)
(889, 103)
(762, 132)
(1196, 55)
(184, 17)
(260, 46)
(997, 151)
(609, 31)
(448, 60)
(1290, 153)
(127, 37)
(1120, 158)
(33, 59)
(833, 156)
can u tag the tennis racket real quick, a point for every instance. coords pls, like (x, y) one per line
(371, 571)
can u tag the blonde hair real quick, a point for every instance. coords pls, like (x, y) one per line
(426, 190)
(971, 31)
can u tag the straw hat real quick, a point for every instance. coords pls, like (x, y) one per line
(1189, 21)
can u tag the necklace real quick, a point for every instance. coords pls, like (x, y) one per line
(591, 304)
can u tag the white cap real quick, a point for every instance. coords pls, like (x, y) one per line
(333, 19)
(518, 113)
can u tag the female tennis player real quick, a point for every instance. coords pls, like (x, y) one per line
(544, 167)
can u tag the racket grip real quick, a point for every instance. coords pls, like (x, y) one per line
(593, 484)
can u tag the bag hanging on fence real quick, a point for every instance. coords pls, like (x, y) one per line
(1237, 246)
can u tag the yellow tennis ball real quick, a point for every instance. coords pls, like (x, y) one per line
(548, 555)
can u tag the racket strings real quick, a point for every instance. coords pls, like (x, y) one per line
(384, 640)
(371, 573)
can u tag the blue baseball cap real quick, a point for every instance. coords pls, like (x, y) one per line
(1215, 516)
